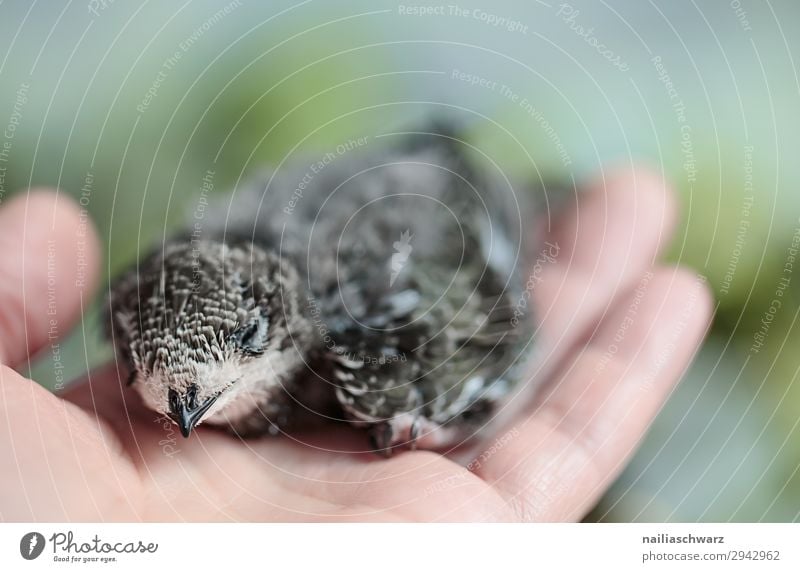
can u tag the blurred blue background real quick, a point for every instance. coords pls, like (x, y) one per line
(136, 102)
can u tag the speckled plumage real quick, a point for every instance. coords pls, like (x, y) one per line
(401, 263)
(188, 313)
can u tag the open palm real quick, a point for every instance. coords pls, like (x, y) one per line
(616, 333)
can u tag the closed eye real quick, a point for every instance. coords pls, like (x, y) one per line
(251, 338)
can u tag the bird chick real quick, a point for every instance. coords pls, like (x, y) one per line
(389, 279)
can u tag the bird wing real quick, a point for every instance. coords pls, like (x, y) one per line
(410, 258)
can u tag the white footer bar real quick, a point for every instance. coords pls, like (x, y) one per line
(387, 547)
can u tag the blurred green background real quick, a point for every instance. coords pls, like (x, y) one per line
(146, 98)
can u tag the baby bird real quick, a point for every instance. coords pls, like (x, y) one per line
(386, 278)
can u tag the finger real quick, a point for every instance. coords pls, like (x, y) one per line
(48, 270)
(558, 461)
(621, 221)
(615, 231)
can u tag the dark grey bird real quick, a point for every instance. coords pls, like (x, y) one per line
(386, 277)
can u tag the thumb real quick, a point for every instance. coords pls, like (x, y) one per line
(48, 270)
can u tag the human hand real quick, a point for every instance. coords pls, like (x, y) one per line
(621, 328)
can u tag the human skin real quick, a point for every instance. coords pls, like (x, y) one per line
(93, 453)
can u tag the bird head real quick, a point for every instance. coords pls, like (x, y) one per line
(206, 328)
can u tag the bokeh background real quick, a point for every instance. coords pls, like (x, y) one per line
(129, 105)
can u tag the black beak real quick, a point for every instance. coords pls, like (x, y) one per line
(185, 410)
